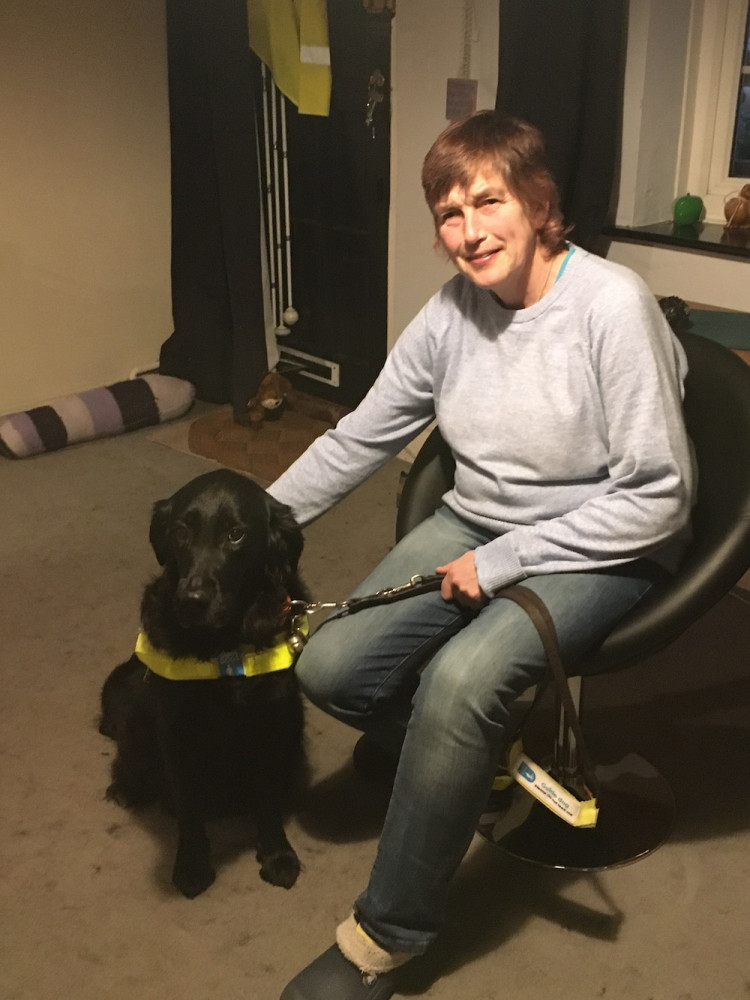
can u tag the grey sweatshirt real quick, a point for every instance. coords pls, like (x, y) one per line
(565, 421)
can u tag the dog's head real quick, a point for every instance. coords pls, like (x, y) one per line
(226, 547)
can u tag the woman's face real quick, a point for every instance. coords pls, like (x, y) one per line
(490, 238)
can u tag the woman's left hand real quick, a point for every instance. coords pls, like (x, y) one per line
(460, 583)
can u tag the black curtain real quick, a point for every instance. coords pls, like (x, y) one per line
(218, 341)
(561, 67)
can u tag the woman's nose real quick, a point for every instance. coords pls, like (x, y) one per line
(473, 230)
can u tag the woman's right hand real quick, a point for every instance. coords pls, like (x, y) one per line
(461, 584)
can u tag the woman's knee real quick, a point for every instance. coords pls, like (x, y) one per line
(448, 695)
(469, 681)
(327, 669)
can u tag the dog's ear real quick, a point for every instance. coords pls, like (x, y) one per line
(158, 533)
(285, 541)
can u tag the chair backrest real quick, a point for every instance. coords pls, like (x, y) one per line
(717, 415)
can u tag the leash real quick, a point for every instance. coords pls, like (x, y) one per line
(299, 610)
(417, 584)
(581, 813)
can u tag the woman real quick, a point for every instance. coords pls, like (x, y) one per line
(556, 381)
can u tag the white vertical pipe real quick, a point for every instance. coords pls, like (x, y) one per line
(267, 92)
(287, 225)
(280, 328)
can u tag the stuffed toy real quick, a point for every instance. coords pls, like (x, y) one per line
(268, 401)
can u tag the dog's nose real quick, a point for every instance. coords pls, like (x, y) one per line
(197, 592)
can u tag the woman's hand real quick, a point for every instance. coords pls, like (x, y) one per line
(460, 583)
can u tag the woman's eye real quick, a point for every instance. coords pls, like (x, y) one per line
(235, 535)
(447, 215)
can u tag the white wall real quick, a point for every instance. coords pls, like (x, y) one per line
(427, 50)
(704, 279)
(658, 35)
(85, 217)
(84, 164)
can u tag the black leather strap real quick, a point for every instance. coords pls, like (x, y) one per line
(416, 586)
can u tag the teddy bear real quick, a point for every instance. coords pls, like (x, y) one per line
(268, 401)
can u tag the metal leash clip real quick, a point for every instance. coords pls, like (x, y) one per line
(298, 625)
(300, 608)
(299, 629)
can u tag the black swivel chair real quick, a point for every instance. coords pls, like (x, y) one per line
(636, 806)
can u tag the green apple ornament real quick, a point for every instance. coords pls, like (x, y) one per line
(687, 209)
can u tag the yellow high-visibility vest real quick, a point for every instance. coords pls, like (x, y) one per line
(291, 38)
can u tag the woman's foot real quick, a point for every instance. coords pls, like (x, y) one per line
(355, 968)
(333, 977)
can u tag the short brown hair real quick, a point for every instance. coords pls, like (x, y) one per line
(508, 145)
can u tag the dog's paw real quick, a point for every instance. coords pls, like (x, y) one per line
(280, 868)
(192, 879)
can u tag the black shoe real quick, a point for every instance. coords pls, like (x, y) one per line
(333, 977)
(373, 762)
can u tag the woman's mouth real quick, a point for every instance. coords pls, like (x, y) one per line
(480, 259)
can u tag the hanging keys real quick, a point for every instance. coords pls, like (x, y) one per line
(375, 96)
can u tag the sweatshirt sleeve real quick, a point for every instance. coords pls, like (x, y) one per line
(639, 367)
(398, 406)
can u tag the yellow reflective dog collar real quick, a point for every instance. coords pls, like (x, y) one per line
(243, 662)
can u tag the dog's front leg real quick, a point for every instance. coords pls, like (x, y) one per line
(192, 873)
(279, 863)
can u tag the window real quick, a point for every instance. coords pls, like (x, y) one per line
(716, 123)
(686, 107)
(739, 165)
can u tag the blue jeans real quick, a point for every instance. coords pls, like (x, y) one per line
(434, 683)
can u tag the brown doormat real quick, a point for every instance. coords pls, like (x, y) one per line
(270, 449)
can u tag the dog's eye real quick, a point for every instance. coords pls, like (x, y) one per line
(180, 534)
(235, 535)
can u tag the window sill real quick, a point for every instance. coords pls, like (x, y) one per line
(702, 237)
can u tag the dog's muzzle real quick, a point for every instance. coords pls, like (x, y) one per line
(199, 602)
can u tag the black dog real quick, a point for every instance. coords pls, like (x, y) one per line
(225, 746)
